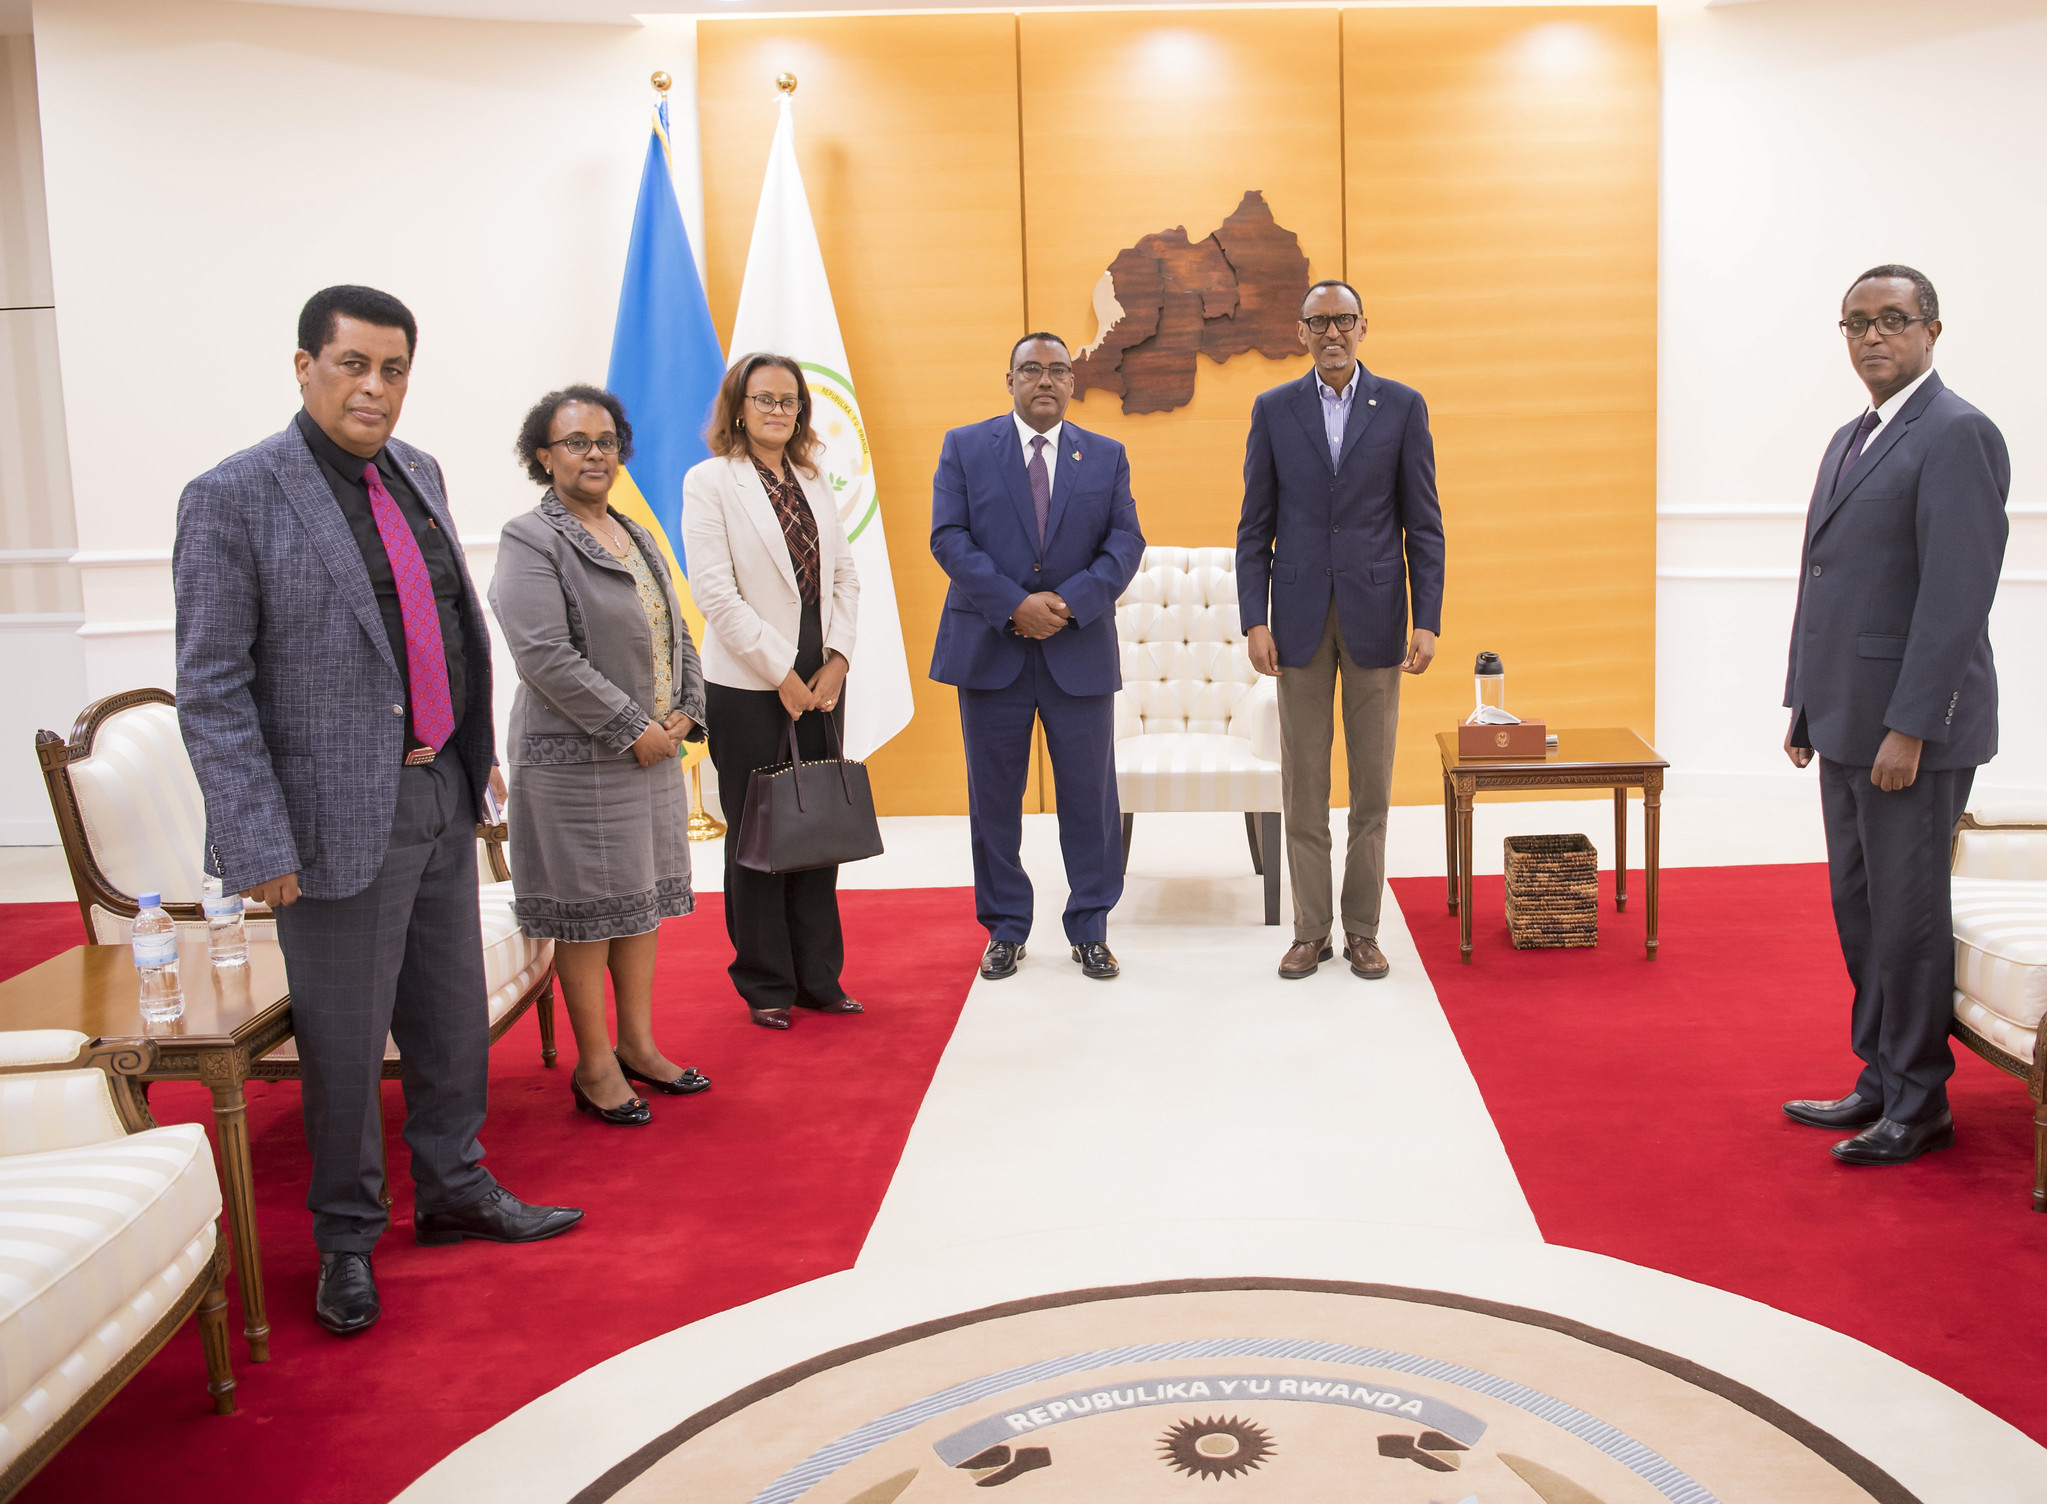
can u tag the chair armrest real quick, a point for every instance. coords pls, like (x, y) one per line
(64, 1101)
(494, 838)
(1257, 719)
(1996, 842)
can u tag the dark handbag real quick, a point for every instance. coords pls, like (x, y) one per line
(796, 822)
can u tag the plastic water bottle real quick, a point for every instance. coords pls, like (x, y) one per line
(226, 939)
(155, 939)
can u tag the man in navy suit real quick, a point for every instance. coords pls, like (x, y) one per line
(1340, 528)
(1032, 519)
(1892, 684)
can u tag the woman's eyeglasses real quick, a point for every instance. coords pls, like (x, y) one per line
(765, 403)
(578, 445)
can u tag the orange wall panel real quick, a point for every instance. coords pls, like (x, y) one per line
(906, 131)
(1501, 193)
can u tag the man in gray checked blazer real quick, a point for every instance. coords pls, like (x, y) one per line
(334, 694)
(1891, 683)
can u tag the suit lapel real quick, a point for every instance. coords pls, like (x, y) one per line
(305, 487)
(1885, 441)
(1066, 459)
(1009, 460)
(753, 496)
(1361, 414)
(1307, 408)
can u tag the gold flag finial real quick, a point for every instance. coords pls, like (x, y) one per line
(786, 82)
(661, 81)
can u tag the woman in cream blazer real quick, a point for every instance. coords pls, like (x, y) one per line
(770, 568)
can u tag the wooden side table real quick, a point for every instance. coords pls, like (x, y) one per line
(1613, 758)
(232, 1017)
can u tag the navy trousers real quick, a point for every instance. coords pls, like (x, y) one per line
(1080, 733)
(1887, 863)
(403, 957)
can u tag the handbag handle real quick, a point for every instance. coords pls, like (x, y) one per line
(796, 760)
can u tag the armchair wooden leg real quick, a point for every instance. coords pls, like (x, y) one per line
(1251, 835)
(2039, 1155)
(1129, 829)
(213, 1339)
(544, 1006)
(1269, 839)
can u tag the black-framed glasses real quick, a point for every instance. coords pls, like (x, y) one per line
(1319, 323)
(1031, 370)
(579, 445)
(1890, 321)
(768, 403)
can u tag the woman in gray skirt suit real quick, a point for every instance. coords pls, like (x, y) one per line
(609, 690)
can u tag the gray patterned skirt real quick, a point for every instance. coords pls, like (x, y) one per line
(600, 850)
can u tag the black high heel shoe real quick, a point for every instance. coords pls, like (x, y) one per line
(635, 1114)
(688, 1084)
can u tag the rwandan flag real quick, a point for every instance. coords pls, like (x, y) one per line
(665, 368)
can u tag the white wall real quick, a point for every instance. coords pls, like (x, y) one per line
(1804, 141)
(209, 165)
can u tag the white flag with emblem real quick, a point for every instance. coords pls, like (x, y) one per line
(785, 306)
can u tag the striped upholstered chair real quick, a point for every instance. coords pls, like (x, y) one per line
(108, 1241)
(132, 819)
(1197, 728)
(1999, 890)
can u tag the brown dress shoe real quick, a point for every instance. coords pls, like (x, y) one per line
(1365, 957)
(1302, 957)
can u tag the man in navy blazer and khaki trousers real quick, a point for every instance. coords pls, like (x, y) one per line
(1032, 519)
(1891, 683)
(1340, 528)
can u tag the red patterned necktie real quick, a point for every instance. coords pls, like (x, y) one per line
(426, 657)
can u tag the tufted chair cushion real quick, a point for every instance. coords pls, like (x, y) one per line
(1197, 728)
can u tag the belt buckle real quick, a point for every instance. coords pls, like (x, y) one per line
(419, 757)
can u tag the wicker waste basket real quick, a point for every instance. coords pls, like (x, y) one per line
(1552, 892)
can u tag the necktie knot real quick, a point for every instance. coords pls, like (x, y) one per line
(1038, 444)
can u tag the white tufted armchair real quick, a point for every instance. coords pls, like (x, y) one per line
(108, 1241)
(1999, 892)
(1197, 728)
(132, 819)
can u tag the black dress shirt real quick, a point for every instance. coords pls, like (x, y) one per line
(344, 472)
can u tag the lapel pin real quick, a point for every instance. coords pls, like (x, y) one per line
(1076, 454)
(1371, 402)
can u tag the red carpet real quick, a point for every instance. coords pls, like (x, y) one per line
(1639, 1104)
(31, 933)
(769, 1179)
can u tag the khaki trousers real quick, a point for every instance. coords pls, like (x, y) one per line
(1307, 733)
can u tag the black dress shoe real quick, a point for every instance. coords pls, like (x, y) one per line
(843, 1005)
(770, 1018)
(346, 1302)
(1096, 963)
(1889, 1143)
(500, 1217)
(1000, 958)
(1851, 1111)
(632, 1113)
(687, 1084)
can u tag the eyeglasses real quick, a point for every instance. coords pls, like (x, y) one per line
(1319, 323)
(1030, 370)
(1891, 322)
(766, 403)
(578, 445)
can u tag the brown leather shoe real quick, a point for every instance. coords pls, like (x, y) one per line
(1302, 957)
(1365, 957)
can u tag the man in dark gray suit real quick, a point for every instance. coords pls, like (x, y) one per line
(334, 693)
(1891, 683)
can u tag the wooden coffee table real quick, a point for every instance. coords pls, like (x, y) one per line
(1614, 758)
(232, 1017)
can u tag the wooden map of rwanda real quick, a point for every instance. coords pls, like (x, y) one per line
(1167, 299)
